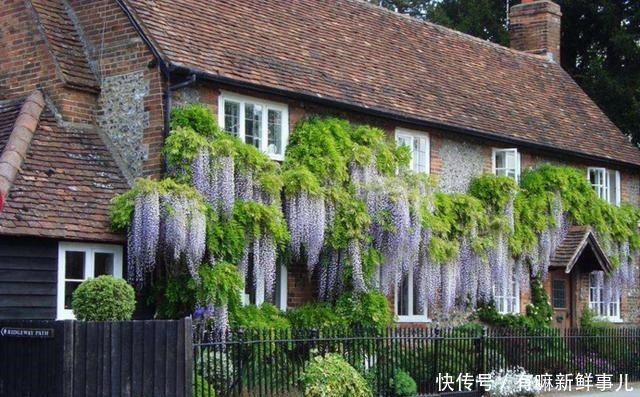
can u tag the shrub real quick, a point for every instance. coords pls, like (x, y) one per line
(216, 368)
(332, 376)
(202, 388)
(315, 315)
(537, 317)
(104, 298)
(196, 116)
(370, 309)
(402, 384)
(589, 320)
(265, 316)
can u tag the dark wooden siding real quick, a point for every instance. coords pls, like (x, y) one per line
(130, 359)
(28, 278)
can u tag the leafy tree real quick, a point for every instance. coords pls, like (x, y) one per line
(601, 50)
(481, 18)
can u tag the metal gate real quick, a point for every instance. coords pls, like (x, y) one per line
(31, 358)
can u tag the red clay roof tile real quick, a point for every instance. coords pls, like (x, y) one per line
(65, 184)
(65, 44)
(358, 54)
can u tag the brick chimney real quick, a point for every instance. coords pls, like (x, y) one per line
(534, 27)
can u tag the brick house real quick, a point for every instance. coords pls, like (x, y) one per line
(84, 88)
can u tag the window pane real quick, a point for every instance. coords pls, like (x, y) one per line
(404, 140)
(418, 309)
(403, 297)
(252, 124)
(510, 159)
(613, 187)
(598, 179)
(559, 294)
(408, 141)
(500, 304)
(74, 265)
(275, 132)
(232, 117)
(500, 160)
(277, 301)
(420, 154)
(249, 284)
(103, 264)
(69, 287)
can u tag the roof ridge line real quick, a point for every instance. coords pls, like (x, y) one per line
(466, 36)
(15, 151)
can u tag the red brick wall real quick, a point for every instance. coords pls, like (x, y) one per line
(117, 49)
(301, 286)
(26, 64)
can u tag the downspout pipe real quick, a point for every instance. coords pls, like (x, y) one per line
(168, 90)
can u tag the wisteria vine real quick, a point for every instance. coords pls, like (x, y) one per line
(358, 218)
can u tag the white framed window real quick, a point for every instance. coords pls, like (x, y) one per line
(78, 262)
(260, 123)
(606, 183)
(597, 303)
(407, 306)
(418, 143)
(506, 162)
(255, 292)
(509, 302)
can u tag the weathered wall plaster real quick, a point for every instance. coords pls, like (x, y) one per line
(123, 117)
(461, 161)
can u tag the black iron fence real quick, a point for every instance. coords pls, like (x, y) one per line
(270, 362)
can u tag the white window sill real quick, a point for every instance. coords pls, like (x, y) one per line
(413, 319)
(610, 319)
(65, 315)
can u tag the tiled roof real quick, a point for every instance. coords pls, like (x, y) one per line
(64, 187)
(354, 53)
(64, 43)
(572, 246)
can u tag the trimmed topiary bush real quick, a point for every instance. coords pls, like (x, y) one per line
(402, 384)
(104, 298)
(332, 376)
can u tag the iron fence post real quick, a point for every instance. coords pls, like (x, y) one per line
(313, 337)
(480, 354)
(436, 357)
(240, 343)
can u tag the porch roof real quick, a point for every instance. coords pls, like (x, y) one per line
(57, 181)
(578, 241)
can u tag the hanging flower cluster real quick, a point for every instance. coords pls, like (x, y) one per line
(167, 223)
(552, 199)
(143, 235)
(242, 189)
(305, 212)
(219, 204)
